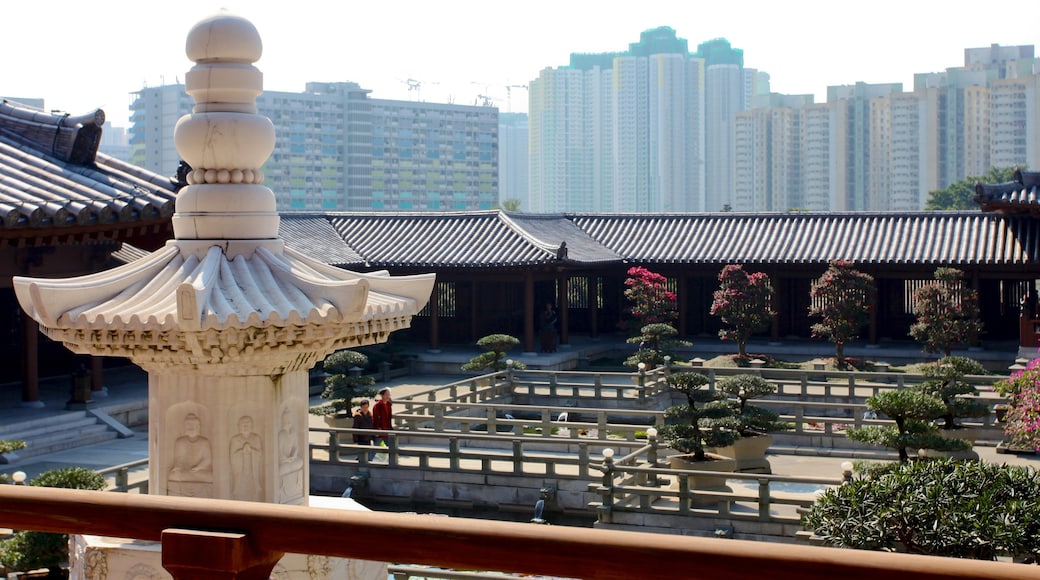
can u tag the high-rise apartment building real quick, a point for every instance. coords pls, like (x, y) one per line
(876, 147)
(512, 159)
(339, 149)
(626, 131)
(768, 154)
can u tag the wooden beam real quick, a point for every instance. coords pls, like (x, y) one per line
(433, 540)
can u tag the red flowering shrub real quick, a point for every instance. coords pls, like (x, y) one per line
(742, 302)
(652, 301)
(842, 296)
(947, 312)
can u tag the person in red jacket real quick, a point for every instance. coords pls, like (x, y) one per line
(382, 413)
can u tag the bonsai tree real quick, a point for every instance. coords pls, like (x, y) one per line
(842, 296)
(655, 341)
(913, 411)
(706, 420)
(342, 387)
(651, 300)
(743, 303)
(959, 509)
(9, 445)
(752, 420)
(28, 550)
(497, 345)
(947, 312)
(945, 382)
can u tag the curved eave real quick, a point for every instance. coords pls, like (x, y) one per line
(171, 290)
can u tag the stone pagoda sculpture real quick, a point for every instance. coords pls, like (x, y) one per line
(225, 318)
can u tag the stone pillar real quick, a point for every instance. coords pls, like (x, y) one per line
(225, 318)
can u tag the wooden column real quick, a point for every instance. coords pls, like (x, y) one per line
(435, 320)
(528, 313)
(872, 332)
(683, 304)
(779, 297)
(97, 376)
(199, 555)
(592, 289)
(563, 299)
(473, 312)
(30, 362)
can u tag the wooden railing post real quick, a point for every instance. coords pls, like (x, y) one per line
(200, 555)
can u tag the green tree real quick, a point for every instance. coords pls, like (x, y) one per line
(947, 312)
(743, 302)
(945, 381)
(511, 204)
(959, 509)
(961, 195)
(342, 385)
(912, 411)
(496, 346)
(655, 341)
(706, 420)
(843, 297)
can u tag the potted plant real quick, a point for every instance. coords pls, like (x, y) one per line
(945, 381)
(754, 423)
(705, 420)
(344, 384)
(913, 412)
(27, 550)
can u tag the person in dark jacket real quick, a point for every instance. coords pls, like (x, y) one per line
(363, 420)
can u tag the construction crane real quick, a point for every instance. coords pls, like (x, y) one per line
(416, 87)
(509, 95)
(484, 101)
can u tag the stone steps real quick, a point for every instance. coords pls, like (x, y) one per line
(57, 433)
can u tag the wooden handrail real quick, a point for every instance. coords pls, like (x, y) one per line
(470, 544)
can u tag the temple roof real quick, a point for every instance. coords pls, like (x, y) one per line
(478, 239)
(500, 239)
(53, 178)
(815, 238)
(1020, 195)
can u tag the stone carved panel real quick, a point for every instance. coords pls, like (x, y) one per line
(189, 469)
(96, 564)
(246, 455)
(290, 456)
(143, 571)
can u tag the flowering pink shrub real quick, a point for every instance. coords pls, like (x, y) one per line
(652, 302)
(1023, 419)
(743, 303)
(947, 312)
(843, 298)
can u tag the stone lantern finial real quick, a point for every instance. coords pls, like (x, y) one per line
(224, 140)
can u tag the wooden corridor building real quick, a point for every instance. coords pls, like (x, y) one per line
(66, 209)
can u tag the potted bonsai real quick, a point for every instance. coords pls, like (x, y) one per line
(754, 423)
(913, 412)
(945, 381)
(344, 384)
(705, 420)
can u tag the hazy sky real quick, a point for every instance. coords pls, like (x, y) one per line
(79, 55)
